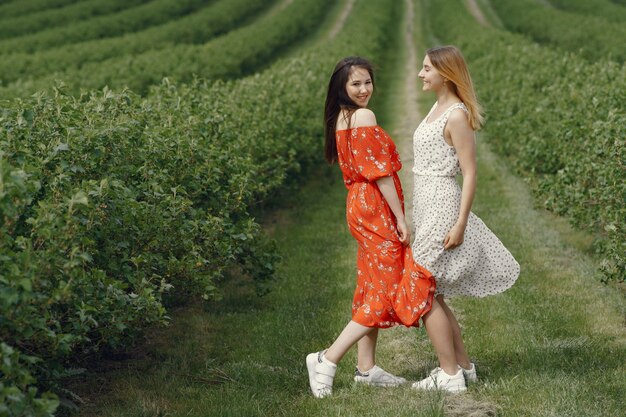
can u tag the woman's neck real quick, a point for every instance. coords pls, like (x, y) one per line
(445, 96)
(344, 118)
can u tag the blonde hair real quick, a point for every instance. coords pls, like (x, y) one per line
(450, 63)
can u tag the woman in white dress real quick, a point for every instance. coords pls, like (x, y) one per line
(463, 255)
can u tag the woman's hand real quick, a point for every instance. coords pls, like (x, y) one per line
(389, 192)
(403, 232)
(454, 237)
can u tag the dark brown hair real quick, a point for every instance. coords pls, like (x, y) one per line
(337, 99)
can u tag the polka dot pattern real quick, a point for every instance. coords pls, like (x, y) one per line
(481, 265)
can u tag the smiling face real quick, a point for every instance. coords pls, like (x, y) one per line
(429, 75)
(359, 86)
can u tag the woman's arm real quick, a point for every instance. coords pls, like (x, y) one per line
(464, 141)
(388, 190)
(365, 117)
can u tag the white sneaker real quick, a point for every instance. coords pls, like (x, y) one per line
(379, 377)
(440, 380)
(470, 374)
(321, 374)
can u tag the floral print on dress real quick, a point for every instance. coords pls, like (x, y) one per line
(391, 288)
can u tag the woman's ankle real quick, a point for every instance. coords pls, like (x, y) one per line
(328, 361)
(364, 367)
(467, 366)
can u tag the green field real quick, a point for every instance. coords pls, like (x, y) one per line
(172, 243)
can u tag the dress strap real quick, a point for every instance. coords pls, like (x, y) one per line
(446, 114)
(457, 106)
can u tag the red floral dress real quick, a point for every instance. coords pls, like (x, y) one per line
(391, 288)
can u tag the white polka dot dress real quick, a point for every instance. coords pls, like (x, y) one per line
(481, 265)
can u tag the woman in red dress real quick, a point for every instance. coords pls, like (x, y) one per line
(391, 288)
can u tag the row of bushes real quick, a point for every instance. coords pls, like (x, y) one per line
(599, 39)
(130, 20)
(239, 52)
(558, 119)
(601, 8)
(199, 27)
(113, 205)
(10, 8)
(50, 18)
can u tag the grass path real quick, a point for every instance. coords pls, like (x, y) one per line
(345, 12)
(328, 29)
(553, 345)
(472, 6)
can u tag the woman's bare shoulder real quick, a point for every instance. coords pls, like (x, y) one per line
(458, 119)
(363, 118)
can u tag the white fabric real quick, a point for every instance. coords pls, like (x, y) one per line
(481, 265)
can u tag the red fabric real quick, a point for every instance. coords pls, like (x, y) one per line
(391, 288)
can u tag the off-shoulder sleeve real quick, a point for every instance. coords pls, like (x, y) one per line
(374, 153)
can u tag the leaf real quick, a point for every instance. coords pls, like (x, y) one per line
(79, 198)
(62, 147)
(26, 284)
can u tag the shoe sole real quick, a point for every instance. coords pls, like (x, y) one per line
(452, 390)
(457, 390)
(375, 384)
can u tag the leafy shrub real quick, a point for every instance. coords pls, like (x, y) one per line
(19, 8)
(233, 55)
(601, 8)
(49, 18)
(18, 394)
(128, 20)
(599, 39)
(114, 205)
(198, 27)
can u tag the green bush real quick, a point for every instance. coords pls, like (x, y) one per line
(125, 21)
(114, 205)
(594, 37)
(199, 27)
(10, 8)
(601, 8)
(50, 18)
(233, 55)
(18, 394)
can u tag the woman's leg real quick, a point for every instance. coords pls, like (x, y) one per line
(350, 334)
(366, 351)
(450, 377)
(367, 372)
(323, 365)
(443, 329)
(459, 347)
(440, 333)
